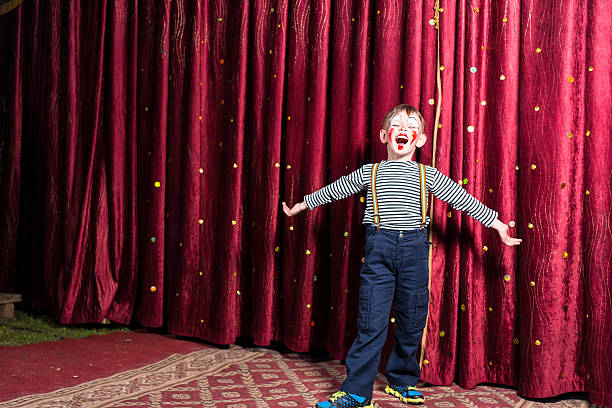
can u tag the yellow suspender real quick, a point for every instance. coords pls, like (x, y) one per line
(423, 187)
(374, 198)
(423, 183)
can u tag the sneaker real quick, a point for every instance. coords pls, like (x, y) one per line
(406, 393)
(342, 399)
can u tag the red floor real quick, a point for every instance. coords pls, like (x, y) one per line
(48, 366)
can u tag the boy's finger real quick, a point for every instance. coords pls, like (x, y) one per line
(514, 241)
(286, 209)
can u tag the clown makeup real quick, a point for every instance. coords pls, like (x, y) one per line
(403, 130)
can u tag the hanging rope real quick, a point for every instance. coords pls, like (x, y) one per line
(8, 5)
(433, 157)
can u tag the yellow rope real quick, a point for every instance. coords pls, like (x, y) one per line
(433, 157)
(6, 6)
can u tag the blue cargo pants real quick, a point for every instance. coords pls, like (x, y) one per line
(396, 263)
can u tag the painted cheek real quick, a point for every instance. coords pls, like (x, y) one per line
(414, 136)
(390, 134)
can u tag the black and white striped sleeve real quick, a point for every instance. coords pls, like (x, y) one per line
(339, 189)
(447, 190)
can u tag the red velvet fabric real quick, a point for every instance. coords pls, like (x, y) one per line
(147, 145)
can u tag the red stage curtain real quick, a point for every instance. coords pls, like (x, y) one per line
(147, 145)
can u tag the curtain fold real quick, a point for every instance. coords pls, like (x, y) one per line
(147, 146)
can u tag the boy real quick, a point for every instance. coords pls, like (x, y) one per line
(396, 256)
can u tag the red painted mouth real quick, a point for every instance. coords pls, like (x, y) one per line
(402, 139)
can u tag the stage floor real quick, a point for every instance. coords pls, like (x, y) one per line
(139, 369)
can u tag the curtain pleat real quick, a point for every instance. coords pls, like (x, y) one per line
(146, 148)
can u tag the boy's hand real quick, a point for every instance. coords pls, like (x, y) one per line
(296, 209)
(502, 229)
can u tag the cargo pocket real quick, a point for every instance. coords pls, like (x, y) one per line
(365, 300)
(421, 309)
(418, 308)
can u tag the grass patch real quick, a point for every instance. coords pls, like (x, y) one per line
(30, 328)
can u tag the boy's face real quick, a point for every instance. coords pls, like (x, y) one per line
(403, 136)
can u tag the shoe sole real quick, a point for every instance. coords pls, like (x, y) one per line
(413, 401)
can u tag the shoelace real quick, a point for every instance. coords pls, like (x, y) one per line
(404, 390)
(337, 395)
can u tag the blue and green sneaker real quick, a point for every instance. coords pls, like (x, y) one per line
(406, 393)
(342, 399)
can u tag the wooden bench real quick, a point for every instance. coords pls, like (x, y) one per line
(7, 308)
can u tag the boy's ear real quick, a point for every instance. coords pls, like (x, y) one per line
(383, 136)
(421, 140)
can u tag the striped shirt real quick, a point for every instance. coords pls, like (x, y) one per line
(399, 197)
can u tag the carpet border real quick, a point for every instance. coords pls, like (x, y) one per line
(28, 400)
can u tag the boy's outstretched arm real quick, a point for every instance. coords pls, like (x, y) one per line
(447, 190)
(296, 209)
(339, 189)
(502, 230)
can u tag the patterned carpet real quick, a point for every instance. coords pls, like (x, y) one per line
(243, 378)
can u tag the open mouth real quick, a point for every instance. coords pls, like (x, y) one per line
(402, 140)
